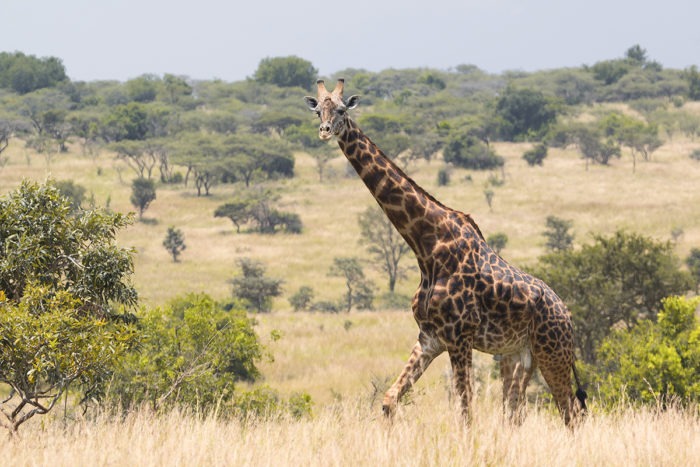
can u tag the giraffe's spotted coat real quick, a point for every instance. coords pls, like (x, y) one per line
(469, 297)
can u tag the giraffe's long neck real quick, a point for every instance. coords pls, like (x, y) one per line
(413, 211)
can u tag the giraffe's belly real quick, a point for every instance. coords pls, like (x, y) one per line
(501, 338)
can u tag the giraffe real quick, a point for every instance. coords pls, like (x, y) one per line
(469, 298)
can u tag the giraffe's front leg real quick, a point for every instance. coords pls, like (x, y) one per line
(461, 360)
(424, 351)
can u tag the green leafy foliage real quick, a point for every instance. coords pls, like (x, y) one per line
(265, 403)
(497, 241)
(655, 362)
(26, 73)
(254, 288)
(43, 241)
(72, 191)
(524, 113)
(192, 353)
(143, 192)
(536, 155)
(616, 281)
(286, 71)
(692, 76)
(61, 274)
(128, 121)
(47, 344)
(301, 300)
(257, 207)
(557, 235)
(174, 242)
(693, 263)
(359, 291)
(465, 150)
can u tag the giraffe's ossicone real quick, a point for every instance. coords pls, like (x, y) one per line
(469, 297)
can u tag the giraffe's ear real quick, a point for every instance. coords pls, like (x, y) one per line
(311, 103)
(352, 102)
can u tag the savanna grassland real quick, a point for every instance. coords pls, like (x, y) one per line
(344, 361)
(322, 354)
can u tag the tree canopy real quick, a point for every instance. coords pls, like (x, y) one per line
(26, 73)
(615, 281)
(64, 286)
(286, 72)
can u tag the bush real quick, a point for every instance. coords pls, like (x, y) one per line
(193, 353)
(443, 177)
(301, 300)
(174, 242)
(497, 241)
(467, 151)
(327, 306)
(536, 155)
(656, 361)
(61, 277)
(266, 403)
(143, 192)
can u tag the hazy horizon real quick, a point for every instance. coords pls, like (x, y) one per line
(209, 39)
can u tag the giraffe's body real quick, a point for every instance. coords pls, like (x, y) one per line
(469, 297)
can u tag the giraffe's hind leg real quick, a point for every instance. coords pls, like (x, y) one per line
(424, 351)
(553, 349)
(516, 371)
(558, 378)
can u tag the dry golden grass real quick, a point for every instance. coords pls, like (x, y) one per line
(339, 365)
(349, 433)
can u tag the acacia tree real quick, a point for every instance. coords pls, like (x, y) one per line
(254, 288)
(383, 242)
(359, 291)
(557, 234)
(638, 136)
(62, 278)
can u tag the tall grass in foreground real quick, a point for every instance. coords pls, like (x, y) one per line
(353, 433)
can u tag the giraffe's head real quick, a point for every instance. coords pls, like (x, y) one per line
(330, 108)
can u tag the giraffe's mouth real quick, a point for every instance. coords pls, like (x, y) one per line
(325, 135)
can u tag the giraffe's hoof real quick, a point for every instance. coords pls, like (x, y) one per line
(389, 410)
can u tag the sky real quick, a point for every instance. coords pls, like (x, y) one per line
(211, 39)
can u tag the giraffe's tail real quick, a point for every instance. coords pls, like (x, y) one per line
(580, 392)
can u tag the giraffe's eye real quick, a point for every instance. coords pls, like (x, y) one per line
(341, 111)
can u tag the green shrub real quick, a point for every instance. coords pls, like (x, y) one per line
(654, 362)
(301, 300)
(193, 353)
